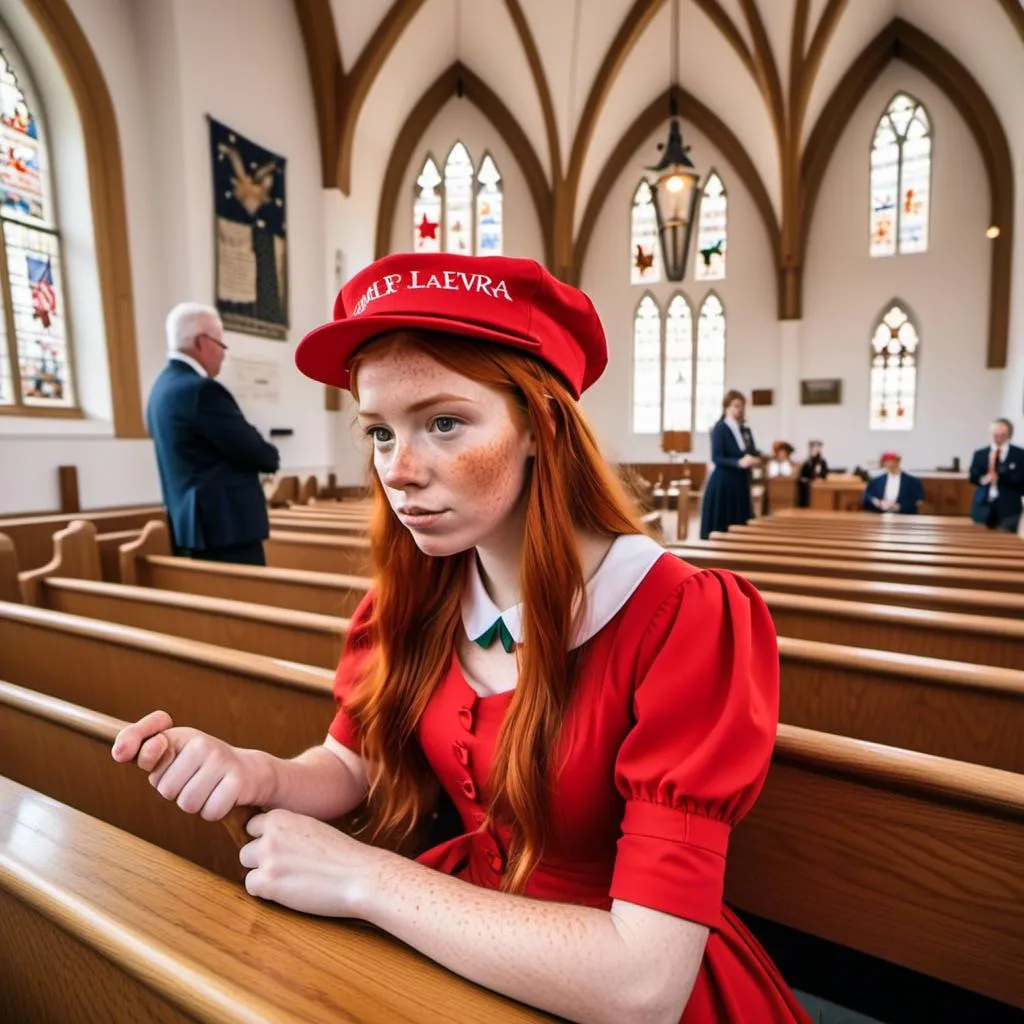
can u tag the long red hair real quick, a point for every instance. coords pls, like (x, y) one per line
(416, 608)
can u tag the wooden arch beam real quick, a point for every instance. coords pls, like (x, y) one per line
(690, 109)
(71, 48)
(487, 102)
(902, 40)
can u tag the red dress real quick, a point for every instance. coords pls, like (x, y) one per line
(665, 747)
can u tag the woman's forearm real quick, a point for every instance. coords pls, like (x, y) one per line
(578, 962)
(315, 783)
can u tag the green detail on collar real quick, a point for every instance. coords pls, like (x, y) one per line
(498, 630)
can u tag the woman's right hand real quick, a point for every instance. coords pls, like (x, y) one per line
(746, 461)
(202, 774)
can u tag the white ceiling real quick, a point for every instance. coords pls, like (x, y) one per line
(573, 36)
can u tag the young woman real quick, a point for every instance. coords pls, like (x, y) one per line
(733, 452)
(599, 712)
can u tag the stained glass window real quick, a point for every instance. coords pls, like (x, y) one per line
(894, 355)
(33, 329)
(711, 231)
(647, 367)
(458, 196)
(901, 164)
(488, 208)
(426, 210)
(678, 365)
(644, 250)
(710, 362)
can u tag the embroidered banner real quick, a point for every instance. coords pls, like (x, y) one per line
(251, 257)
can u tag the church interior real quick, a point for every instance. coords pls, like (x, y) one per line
(811, 206)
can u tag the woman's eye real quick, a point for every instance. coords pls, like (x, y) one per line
(379, 435)
(445, 424)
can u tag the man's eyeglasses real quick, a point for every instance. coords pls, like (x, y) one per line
(216, 341)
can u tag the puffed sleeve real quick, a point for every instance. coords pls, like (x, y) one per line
(706, 707)
(359, 644)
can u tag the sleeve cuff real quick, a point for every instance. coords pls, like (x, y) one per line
(345, 731)
(673, 861)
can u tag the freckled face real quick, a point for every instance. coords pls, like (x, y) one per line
(450, 452)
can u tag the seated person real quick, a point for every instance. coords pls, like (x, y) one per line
(779, 464)
(814, 468)
(893, 490)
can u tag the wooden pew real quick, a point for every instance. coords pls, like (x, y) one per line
(911, 858)
(862, 550)
(887, 572)
(282, 491)
(10, 587)
(32, 536)
(147, 562)
(975, 638)
(324, 526)
(976, 540)
(75, 553)
(63, 750)
(246, 699)
(281, 633)
(109, 545)
(96, 924)
(971, 713)
(308, 490)
(347, 555)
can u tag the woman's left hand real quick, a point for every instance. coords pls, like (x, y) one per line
(308, 866)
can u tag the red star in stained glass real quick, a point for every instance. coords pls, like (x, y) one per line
(426, 228)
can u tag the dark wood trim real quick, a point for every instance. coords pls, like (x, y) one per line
(721, 20)
(692, 110)
(487, 102)
(901, 40)
(540, 80)
(67, 479)
(766, 70)
(567, 192)
(822, 36)
(323, 58)
(1015, 13)
(71, 48)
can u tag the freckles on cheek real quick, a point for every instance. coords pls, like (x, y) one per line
(490, 473)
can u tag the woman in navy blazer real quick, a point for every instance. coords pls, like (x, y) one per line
(727, 491)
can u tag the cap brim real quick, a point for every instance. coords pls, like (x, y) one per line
(325, 352)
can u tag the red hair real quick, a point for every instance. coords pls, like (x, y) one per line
(416, 608)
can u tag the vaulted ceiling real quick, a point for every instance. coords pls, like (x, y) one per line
(581, 83)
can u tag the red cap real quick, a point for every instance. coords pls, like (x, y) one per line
(886, 456)
(497, 299)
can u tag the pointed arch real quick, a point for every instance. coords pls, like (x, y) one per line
(490, 203)
(678, 403)
(459, 175)
(901, 173)
(895, 354)
(712, 229)
(710, 369)
(647, 365)
(644, 250)
(486, 101)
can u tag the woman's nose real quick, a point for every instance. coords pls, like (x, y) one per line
(405, 469)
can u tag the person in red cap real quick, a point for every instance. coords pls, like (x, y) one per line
(893, 490)
(598, 713)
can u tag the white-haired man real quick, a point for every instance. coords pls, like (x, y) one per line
(209, 456)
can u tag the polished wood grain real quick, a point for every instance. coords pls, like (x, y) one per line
(238, 625)
(326, 526)
(10, 588)
(75, 553)
(970, 713)
(911, 858)
(982, 639)
(246, 699)
(109, 547)
(286, 550)
(887, 572)
(63, 750)
(193, 940)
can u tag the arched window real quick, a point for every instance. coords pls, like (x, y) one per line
(644, 251)
(710, 362)
(678, 365)
(901, 168)
(894, 356)
(426, 210)
(460, 210)
(712, 230)
(488, 208)
(35, 356)
(647, 367)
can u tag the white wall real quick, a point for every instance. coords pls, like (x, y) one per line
(747, 293)
(167, 65)
(946, 289)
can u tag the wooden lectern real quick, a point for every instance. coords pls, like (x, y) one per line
(675, 442)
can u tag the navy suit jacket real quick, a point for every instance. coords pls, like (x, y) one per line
(911, 493)
(1009, 480)
(210, 458)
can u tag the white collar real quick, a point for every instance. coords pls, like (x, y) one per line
(628, 561)
(184, 357)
